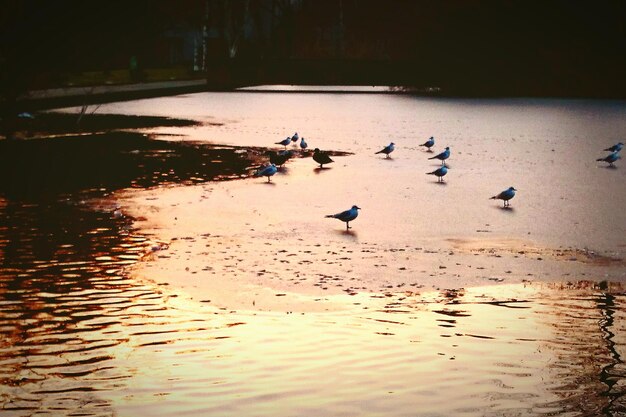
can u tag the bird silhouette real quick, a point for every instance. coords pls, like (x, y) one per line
(610, 158)
(439, 172)
(295, 137)
(387, 149)
(303, 144)
(442, 156)
(346, 216)
(505, 196)
(429, 143)
(615, 148)
(284, 142)
(266, 171)
(321, 157)
(279, 158)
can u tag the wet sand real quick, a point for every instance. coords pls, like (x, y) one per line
(239, 242)
(231, 244)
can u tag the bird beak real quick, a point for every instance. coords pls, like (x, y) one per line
(358, 208)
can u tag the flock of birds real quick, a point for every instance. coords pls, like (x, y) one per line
(278, 159)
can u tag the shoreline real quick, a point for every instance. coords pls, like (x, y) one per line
(272, 239)
(249, 269)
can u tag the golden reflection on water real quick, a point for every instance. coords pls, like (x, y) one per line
(83, 337)
(79, 335)
(488, 351)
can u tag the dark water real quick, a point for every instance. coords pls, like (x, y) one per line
(64, 291)
(44, 168)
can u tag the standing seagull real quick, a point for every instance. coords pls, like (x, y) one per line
(284, 142)
(295, 137)
(439, 172)
(610, 158)
(387, 149)
(266, 171)
(429, 143)
(321, 157)
(615, 148)
(346, 216)
(505, 196)
(303, 144)
(442, 156)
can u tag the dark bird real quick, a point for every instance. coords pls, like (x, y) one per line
(279, 158)
(442, 156)
(615, 148)
(346, 216)
(439, 172)
(505, 196)
(429, 143)
(610, 158)
(284, 142)
(387, 149)
(321, 157)
(295, 137)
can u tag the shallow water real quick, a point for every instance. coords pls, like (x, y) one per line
(81, 337)
(82, 334)
(546, 148)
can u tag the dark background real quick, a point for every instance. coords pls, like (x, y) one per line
(463, 47)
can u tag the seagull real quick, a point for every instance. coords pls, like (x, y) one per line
(610, 158)
(387, 149)
(346, 216)
(615, 148)
(321, 157)
(442, 156)
(284, 142)
(295, 137)
(439, 172)
(505, 196)
(429, 143)
(278, 158)
(303, 144)
(266, 171)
